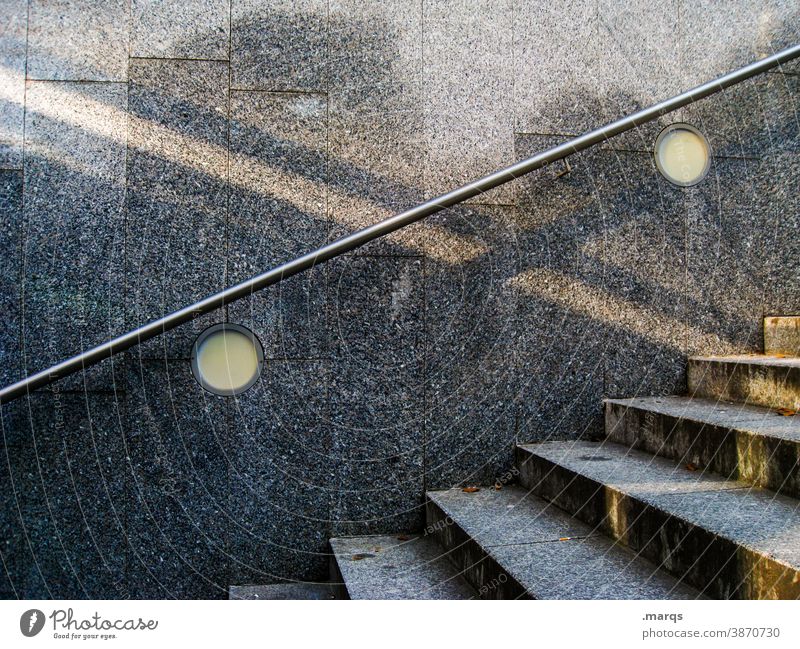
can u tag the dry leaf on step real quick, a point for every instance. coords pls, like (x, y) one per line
(470, 490)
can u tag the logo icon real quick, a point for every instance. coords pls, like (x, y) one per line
(31, 622)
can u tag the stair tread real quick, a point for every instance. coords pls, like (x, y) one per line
(751, 359)
(550, 553)
(407, 566)
(291, 591)
(754, 419)
(752, 517)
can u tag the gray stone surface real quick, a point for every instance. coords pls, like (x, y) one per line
(14, 553)
(376, 122)
(556, 89)
(769, 381)
(771, 193)
(468, 78)
(616, 466)
(781, 173)
(738, 256)
(779, 101)
(748, 443)
(376, 394)
(85, 40)
(177, 198)
(11, 245)
(674, 515)
(177, 480)
(716, 39)
(405, 566)
(280, 475)
(65, 499)
(638, 62)
(290, 591)
(278, 211)
(280, 46)
(509, 516)
(736, 247)
(544, 552)
(472, 423)
(733, 416)
(709, 295)
(755, 518)
(472, 373)
(197, 29)
(752, 119)
(642, 250)
(516, 319)
(782, 335)
(589, 568)
(13, 34)
(642, 138)
(560, 341)
(725, 287)
(74, 224)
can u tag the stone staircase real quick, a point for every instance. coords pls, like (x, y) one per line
(687, 497)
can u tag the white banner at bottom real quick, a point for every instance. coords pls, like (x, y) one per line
(154, 624)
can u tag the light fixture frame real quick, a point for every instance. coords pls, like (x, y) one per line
(678, 126)
(227, 326)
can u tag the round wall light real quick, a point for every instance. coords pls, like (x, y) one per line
(227, 359)
(682, 154)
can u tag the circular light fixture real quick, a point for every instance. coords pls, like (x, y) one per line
(227, 359)
(682, 154)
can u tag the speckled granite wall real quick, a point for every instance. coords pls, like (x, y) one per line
(153, 152)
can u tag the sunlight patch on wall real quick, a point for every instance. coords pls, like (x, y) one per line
(79, 148)
(55, 101)
(601, 305)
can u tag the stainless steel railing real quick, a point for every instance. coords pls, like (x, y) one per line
(387, 226)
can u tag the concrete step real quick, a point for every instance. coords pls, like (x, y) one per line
(769, 381)
(406, 566)
(512, 545)
(296, 590)
(725, 538)
(750, 443)
(782, 335)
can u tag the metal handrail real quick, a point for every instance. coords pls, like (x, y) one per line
(387, 226)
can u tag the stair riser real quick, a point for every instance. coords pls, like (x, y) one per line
(338, 587)
(782, 335)
(770, 386)
(716, 566)
(763, 461)
(483, 573)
